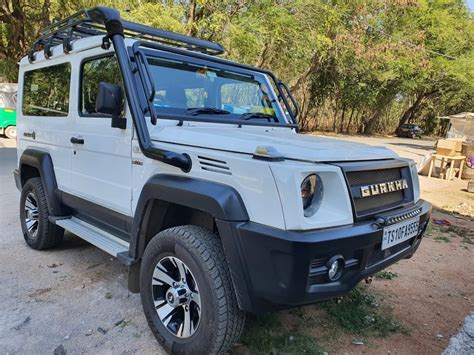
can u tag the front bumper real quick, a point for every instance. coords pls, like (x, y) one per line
(281, 269)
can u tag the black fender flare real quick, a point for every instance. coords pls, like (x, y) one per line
(221, 201)
(42, 161)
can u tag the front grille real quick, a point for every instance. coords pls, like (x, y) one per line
(373, 176)
(370, 205)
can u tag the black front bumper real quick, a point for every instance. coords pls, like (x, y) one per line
(277, 269)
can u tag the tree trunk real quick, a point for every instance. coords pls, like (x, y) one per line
(192, 18)
(409, 114)
(264, 55)
(315, 61)
(350, 120)
(341, 124)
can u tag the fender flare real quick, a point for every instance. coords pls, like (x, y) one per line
(221, 201)
(42, 161)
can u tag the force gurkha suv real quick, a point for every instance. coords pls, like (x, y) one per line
(189, 169)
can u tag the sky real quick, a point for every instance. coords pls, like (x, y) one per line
(470, 4)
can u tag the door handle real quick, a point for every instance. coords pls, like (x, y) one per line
(77, 140)
(29, 134)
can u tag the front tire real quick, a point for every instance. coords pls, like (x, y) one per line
(38, 231)
(187, 292)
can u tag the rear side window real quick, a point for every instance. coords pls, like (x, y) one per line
(93, 72)
(46, 91)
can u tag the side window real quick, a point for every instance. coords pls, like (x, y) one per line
(93, 72)
(46, 91)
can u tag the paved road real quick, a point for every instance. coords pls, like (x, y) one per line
(62, 296)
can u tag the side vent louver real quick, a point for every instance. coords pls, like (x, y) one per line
(214, 165)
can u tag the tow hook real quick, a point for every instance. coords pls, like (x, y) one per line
(368, 280)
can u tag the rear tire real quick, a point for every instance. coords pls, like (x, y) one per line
(10, 132)
(195, 252)
(38, 231)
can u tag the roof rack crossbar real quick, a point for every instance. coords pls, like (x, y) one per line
(88, 23)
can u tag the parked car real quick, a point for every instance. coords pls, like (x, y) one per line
(410, 131)
(198, 180)
(8, 96)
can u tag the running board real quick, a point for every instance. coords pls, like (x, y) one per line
(96, 236)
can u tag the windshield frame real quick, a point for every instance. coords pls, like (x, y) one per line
(142, 51)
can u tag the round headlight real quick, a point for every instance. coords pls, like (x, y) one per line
(311, 194)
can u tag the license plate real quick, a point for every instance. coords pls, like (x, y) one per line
(400, 232)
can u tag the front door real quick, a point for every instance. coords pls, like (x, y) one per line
(101, 155)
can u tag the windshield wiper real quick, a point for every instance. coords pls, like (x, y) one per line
(206, 111)
(249, 115)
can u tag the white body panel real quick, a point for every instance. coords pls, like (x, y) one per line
(101, 167)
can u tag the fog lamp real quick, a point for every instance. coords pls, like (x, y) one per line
(335, 267)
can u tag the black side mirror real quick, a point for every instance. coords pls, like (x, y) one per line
(109, 102)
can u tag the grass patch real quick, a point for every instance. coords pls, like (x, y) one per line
(439, 233)
(442, 238)
(466, 234)
(386, 275)
(267, 335)
(359, 313)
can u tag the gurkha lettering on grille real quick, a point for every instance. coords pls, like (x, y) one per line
(383, 188)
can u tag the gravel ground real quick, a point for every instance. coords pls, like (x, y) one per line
(463, 342)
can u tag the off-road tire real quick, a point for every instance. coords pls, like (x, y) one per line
(222, 321)
(10, 132)
(48, 234)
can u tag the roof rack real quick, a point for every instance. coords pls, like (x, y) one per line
(88, 23)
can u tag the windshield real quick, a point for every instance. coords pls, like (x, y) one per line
(186, 88)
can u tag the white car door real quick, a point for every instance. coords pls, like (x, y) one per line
(44, 115)
(101, 155)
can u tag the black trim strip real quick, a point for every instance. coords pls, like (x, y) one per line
(104, 218)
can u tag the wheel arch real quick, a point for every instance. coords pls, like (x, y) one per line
(38, 163)
(164, 194)
(189, 201)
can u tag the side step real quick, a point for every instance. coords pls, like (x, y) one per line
(101, 239)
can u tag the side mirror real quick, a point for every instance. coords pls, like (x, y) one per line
(109, 102)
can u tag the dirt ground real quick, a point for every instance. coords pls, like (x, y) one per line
(75, 300)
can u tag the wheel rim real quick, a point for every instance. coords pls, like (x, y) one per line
(176, 297)
(11, 132)
(31, 214)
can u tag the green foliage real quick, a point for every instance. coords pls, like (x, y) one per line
(442, 238)
(267, 335)
(359, 313)
(386, 275)
(355, 66)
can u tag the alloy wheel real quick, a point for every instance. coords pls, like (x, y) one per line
(31, 214)
(176, 297)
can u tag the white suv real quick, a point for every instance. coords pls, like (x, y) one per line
(197, 179)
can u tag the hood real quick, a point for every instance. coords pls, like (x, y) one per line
(288, 143)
